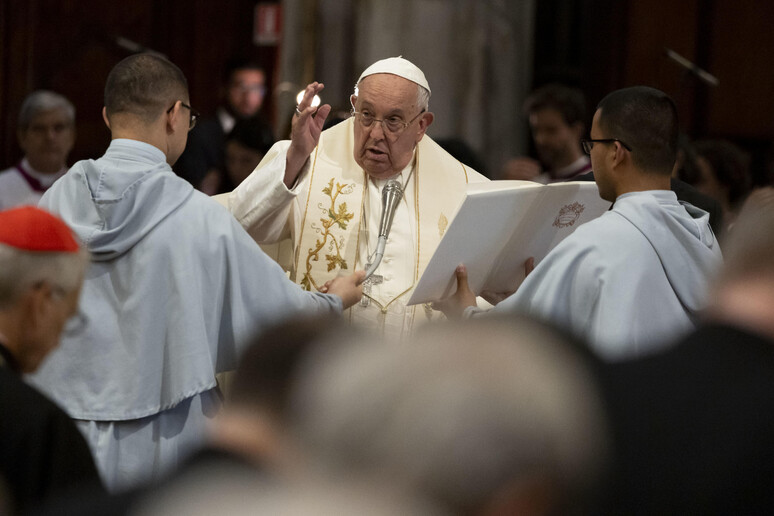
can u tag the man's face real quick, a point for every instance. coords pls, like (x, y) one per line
(556, 141)
(48, 140)
(600, 154)
(245, 92)
(383, 154)
(53, 310)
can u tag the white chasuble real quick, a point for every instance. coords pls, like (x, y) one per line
(340, 224)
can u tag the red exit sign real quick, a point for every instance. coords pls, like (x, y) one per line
(267, 25)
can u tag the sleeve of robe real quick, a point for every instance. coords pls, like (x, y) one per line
(615, 300)
(262, 204)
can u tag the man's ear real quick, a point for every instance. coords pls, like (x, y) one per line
(105, 117)
(424, 122)
(619, 153)
(36, 301)
(172, 115)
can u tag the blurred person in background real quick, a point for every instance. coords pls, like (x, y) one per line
(46, 134)
(557, 119)
(496, 417)
(243, 91)
(246, 145)
(693, 425)
(724, 175)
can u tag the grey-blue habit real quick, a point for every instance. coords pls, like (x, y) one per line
(175, 287)
(629, 281)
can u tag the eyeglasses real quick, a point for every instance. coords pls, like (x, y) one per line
(589, 144)
(392, 124)
(195, 115)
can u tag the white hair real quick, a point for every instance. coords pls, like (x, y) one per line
(44, 100)
(460, 412)
(21, 270)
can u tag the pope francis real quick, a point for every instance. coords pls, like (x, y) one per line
(322, 190)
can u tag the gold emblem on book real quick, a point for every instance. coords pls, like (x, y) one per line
(334, 220)
(569, 215)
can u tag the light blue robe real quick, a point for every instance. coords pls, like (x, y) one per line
(629, 281)
(174, 290)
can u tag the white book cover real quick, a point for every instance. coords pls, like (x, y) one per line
(498, 226)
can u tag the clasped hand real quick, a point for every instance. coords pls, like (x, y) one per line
(454, 305)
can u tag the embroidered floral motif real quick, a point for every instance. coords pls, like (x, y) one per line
(333, 216)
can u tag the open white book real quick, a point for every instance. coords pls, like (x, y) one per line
(498, 226)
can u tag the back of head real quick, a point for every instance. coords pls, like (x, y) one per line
(731, 167)
(144, 86)
(37, 247)
(266, 369)
(40, 101)
(749, 246)
(253, 133)
(569, 102)
(218, 491)
(462, 414)
(646, 120)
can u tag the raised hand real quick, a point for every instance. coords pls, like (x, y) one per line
(305, 133)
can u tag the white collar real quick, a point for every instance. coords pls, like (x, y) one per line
(45, 180)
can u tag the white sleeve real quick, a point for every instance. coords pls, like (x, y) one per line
(262, 204)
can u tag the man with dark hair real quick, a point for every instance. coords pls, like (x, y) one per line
(636, 277)
(245, 146)
(174, 287)
(557, 115)
(243, 90)
(724, 175)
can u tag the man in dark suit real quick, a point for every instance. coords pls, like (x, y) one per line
(694, 425)
(244, 87)
(42, 454)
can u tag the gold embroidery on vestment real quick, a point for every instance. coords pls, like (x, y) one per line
(335, 218)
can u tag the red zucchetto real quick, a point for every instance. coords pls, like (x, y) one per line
(31, 229)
